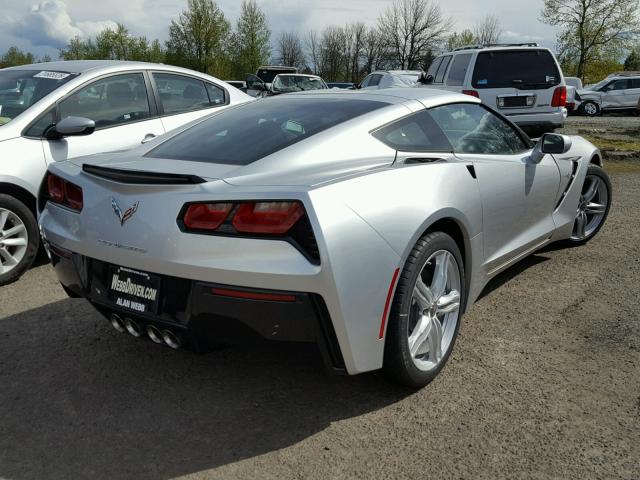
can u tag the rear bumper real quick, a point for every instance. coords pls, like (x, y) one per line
(553, 119)
(206, 314)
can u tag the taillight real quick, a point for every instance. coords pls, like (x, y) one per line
(473, 93)
(559, 97)
(206, 216)
(270, 218)
(64, 192)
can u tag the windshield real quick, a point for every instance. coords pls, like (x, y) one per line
(530, 69)
(267, 75)
(598, 86)
(19, 89)
(297, 83)
(242, 135)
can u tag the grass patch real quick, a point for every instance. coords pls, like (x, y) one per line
(614, 144)
(622, 167)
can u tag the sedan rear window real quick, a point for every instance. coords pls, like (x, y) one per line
(530, 69)
(242, 135)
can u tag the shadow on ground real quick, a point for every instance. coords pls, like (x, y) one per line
(80, 400)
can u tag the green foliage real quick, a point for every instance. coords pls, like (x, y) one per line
(464, 38)
(111, 44)
(633, 60)
(14, 57)
(199, 38)
(250, 42)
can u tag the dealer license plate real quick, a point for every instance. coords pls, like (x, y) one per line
(133, 290)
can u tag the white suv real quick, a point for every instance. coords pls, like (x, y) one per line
(619, 91)
(522, 81)
(60, 110)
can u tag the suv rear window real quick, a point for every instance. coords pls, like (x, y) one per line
(244, 134)
(530, 69)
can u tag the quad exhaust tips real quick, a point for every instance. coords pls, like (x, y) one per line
(166, 337)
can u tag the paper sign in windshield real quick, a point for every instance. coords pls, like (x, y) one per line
(51, 75)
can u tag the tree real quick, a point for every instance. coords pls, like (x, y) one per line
(411, 28)
(462, 39)
(633, 60)
(290, 50)
(251, 47)
(14, 57)
(589, 29)
(198, 38)
(312, 42)
(488, 30)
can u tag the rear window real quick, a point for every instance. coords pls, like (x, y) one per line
(530, 69)
(247, 133)
(459, 70)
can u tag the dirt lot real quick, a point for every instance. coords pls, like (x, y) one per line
(544, 383)
(618, 136)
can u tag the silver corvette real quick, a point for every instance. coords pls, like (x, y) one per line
(364, 222)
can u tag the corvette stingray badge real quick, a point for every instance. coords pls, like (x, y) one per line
(123, 217)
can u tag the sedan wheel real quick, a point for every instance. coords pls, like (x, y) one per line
(590, 108)
(593, 205)
(426, 312)
(19, 239)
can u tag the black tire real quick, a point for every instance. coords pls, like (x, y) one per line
(33, 242)
(584, 106)
(600, 173)
(398, 364)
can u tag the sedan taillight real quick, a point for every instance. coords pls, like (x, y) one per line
(206, 216)
(269, 218)
(64, 192)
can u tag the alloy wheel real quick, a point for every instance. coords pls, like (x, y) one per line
(435, 310)
(14, 240)
(592, 208)
(591, 108)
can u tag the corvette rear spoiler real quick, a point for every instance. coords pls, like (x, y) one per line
(140, 177)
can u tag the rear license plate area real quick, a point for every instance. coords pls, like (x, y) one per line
(133, 290)
(512, 102)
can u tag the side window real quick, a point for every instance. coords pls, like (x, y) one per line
(472, 128)
(375, 80)
(415, 133)
(37, 128)
(433, 68)
(365, 82)
(110, 101)
(618, 85)
(181, 94)
(216, 94)
(458, 70)
(634, 83)
(442, 69)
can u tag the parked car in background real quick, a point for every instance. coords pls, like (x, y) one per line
(390, 79)
(365, 223)
(286, 83)
(523, 82)
(574, 82)
(573, 85)
(266, 74)
(342, 85)
(56, 111)
(239, 84)
(618, 92)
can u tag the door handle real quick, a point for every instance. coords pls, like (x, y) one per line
(148, 137)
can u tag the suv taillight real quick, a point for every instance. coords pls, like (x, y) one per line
(64, 192)
(559, 97)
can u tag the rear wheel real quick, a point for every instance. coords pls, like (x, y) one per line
(589, 108)
(593, 206)
(426, 311)
(19, 239)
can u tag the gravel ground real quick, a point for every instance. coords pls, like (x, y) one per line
(544, 383)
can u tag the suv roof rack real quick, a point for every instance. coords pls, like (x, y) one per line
(488, 45)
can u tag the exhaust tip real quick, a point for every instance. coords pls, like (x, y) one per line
(117, 323)
(154, 334)
(132, 327)
(171, 339)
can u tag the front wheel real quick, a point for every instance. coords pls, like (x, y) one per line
(19, 239)
(426, 312)
(590, 109)
(593, 205)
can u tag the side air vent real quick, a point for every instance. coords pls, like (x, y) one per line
(142, 178)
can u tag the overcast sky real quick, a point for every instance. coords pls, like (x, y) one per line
(44, 26)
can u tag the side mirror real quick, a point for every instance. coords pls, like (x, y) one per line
(425, 79)
(550, 143)
(71, 127)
